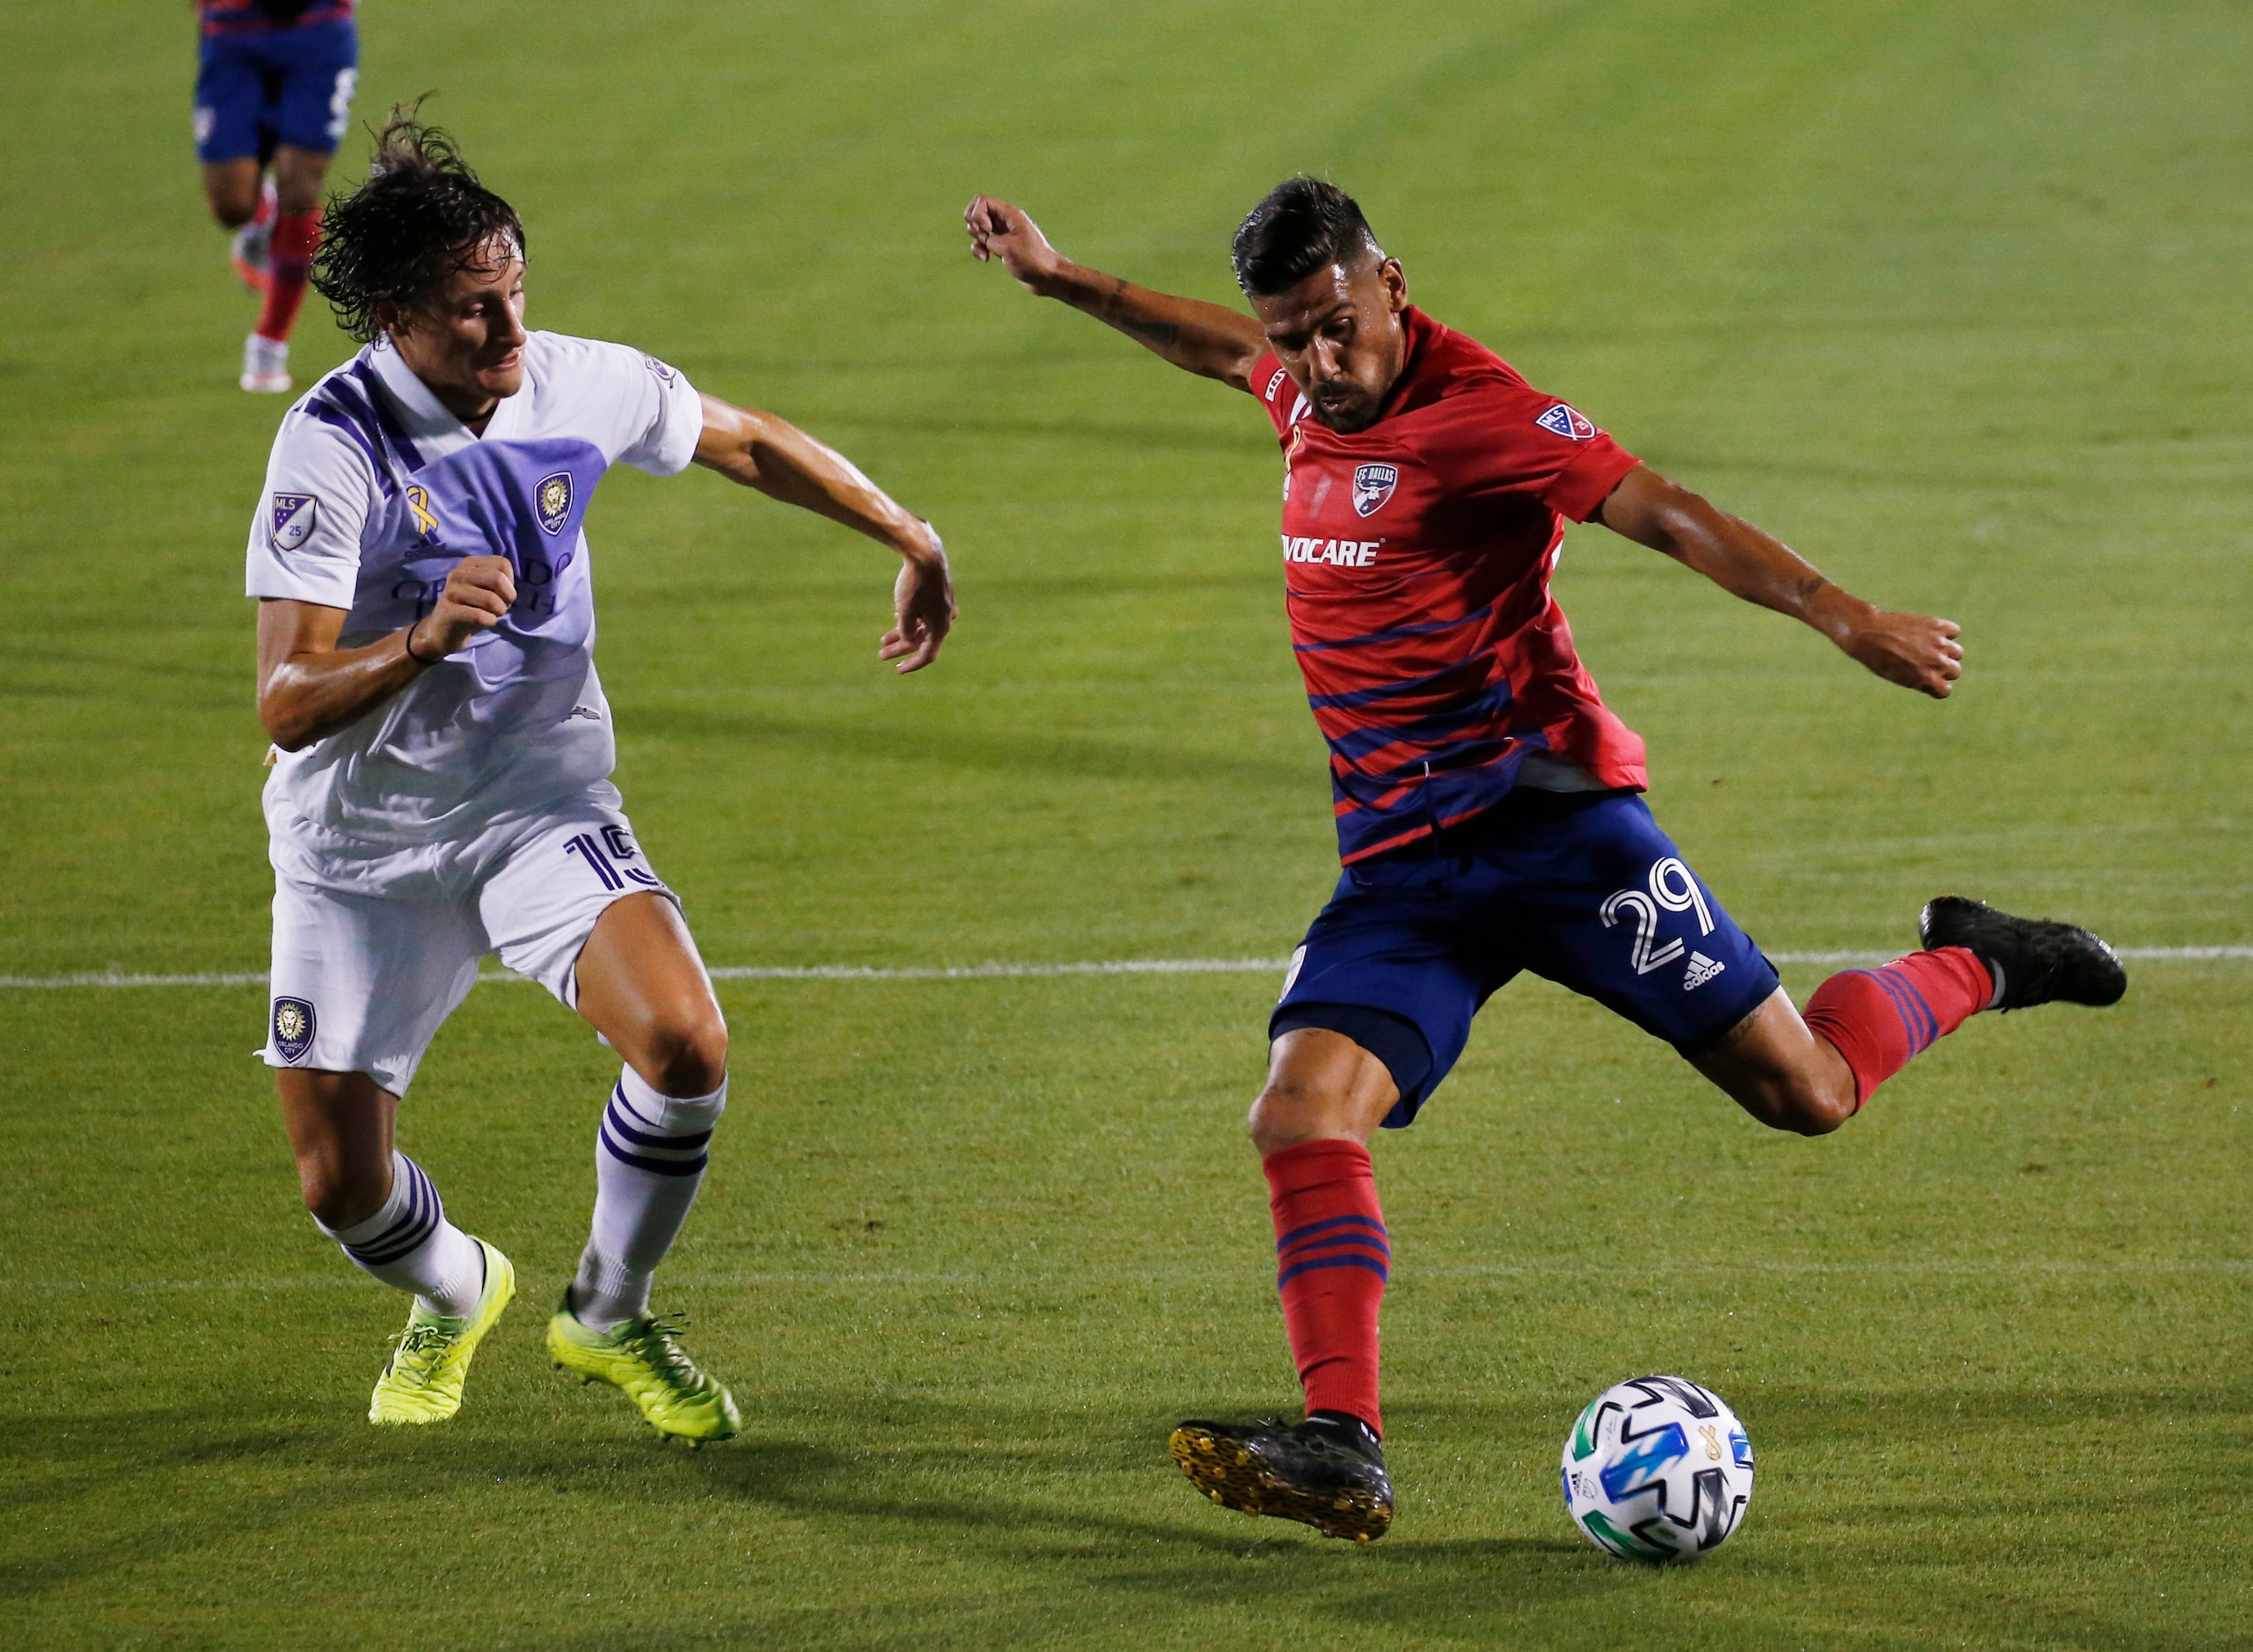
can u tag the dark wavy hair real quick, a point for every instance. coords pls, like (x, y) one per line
(420, 217)
(1304, 224)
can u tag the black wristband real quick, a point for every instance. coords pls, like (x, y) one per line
(408, 644)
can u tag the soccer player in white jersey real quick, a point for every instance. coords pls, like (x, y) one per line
(425, 666)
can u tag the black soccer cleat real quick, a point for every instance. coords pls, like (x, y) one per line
(1315, 1473)
(2032, 960)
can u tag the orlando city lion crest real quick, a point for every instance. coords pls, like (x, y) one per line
(293, 1029)
(552, 499)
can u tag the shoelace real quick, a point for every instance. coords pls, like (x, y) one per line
(420, 1349)
(657, 1341)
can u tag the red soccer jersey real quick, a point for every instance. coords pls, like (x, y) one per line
(258, 17)
(1417, 558)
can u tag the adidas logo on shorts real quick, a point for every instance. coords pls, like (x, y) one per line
(1701, 970)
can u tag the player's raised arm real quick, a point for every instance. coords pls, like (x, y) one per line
(1914, 650)
(760, 450)
(1210, 339)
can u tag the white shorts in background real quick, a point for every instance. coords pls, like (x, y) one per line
(374, 946)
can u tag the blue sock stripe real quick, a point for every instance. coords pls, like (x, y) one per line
(1297, 1269)
(1298, 1234)
(1909, 1026)
(1917, 1018)
(660, 1166)
(1336, 1244)
(1924, 1009)
(616, 1120)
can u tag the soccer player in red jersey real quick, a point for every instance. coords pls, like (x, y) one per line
(273, 94)
(1489, 807)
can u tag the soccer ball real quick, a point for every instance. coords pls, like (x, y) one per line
(1657, 1469)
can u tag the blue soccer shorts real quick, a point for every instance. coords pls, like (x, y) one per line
(1582, 888)
(254, 91)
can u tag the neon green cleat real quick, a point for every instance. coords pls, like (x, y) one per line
(645, 1357)
(431, 1359)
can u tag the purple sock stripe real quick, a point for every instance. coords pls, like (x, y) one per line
(658, 1166)
(1298, 1234)
(617, 1099)
(1297, 1269)
(616, 1119)
(421, 1220)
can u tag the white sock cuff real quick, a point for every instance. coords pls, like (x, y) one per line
(409, 1217)
(670, 1114)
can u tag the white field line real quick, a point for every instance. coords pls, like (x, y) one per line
(1020, 971)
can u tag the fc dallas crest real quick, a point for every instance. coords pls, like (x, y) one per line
(1372, 486)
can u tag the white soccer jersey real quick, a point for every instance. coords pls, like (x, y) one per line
(375, 492)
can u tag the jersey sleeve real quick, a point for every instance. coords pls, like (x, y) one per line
(666, 441)
(1515, 440)
(1272, 384)
(638, 411)
(305, 542)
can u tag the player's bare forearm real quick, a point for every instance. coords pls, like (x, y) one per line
(760, 450)
(781, 461)
(308, 688)
(1209, 340)
(1912, 650)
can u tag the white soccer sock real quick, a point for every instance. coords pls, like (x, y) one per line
(409, 1243)
(650, 1159)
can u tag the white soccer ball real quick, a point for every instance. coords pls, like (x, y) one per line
(1657, 1469)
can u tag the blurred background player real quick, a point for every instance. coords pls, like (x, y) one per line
(425, 632)
(273, 91)
(1489, 807)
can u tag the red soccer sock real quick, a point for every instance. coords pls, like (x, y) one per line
(1879, 1018)
(1331, 1262)
(296, 237)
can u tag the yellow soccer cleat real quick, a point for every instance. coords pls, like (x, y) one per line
(644, 1356)
(431, 1359)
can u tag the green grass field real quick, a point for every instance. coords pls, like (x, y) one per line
(1951, 295)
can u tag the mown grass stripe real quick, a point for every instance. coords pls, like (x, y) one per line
(1017, 971)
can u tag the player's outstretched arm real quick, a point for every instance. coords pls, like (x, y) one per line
(783, 462)
(1910, 649)
(1210, 339)
(308, 688)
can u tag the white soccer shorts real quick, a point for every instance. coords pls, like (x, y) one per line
(375, 947)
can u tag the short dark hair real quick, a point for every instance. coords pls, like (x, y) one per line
(1304, 224)
(420, 217)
